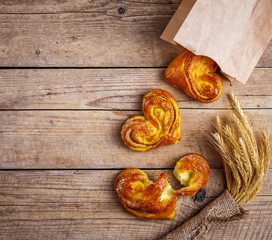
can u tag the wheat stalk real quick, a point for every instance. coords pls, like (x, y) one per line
(220, 146)
(245, 161)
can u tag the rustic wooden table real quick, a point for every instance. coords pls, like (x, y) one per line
(71, 73)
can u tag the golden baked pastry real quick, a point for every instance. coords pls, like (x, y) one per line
(160, 125)
(196, 76)
(143, 198)
(193, 172)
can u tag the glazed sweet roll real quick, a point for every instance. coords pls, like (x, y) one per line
(193, 172)
(196, 76)
(143, 198)
(159, 126)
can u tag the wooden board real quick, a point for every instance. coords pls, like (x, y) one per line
(82, 205)
(135, 8)
(88, 34)
(71, 73)
(114, 89)
(92, 139)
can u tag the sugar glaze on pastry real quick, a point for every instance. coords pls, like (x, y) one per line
(159, 126)
(196, 76)
(143, 198)
(146, 199)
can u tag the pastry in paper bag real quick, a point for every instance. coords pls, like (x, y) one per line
(233, 33)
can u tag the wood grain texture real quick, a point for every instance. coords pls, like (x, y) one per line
(91, 139)
(156, 7)
(88, 34)
(72, 118)
(120, 89)
(82, 205)
(99, 38)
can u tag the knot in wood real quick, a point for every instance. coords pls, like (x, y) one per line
(121, 10)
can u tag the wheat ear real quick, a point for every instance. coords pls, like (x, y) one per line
(245, 161)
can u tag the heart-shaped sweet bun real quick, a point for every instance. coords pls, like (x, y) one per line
(160, 125)
(193, 172)
(196, 76)
(149, 200)
(142, 197)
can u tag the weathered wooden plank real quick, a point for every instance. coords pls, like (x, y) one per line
(113, 89)
(75, 204)
(257, 224)
(91, 139)
(88, 34)
(96, 229)
(84, 40)
(154, 7)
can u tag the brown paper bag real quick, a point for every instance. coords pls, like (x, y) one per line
(233, 33)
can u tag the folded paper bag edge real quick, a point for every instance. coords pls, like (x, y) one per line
(222, 209)
(177, 20)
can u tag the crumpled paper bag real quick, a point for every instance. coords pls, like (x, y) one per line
(233, 33)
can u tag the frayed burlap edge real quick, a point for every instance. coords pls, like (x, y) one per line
(222, 209)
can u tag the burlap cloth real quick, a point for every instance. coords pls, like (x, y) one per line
(222, 209)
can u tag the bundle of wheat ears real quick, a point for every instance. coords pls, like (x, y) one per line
(245, 163)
